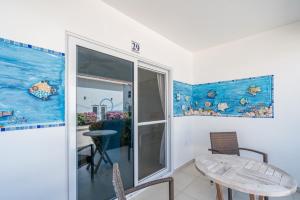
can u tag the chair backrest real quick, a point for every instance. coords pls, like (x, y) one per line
(117, 182)
(225, 143)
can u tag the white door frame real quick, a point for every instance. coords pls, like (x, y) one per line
(72, 40)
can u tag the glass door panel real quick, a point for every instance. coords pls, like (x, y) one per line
(105, 109)
(151, 149)
(151, 96)
(152, 123)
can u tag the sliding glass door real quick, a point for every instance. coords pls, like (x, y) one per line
(117, 113)
(152, 121)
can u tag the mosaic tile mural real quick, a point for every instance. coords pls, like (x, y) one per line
(182, 95)
(251, 97)
(31, 86)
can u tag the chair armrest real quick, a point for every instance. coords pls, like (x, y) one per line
(155, 182)
(214, 151)
(84, 147)
(265, 156)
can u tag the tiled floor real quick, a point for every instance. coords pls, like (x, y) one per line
(191, 185)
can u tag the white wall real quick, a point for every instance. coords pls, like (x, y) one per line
(275, 52)
(34, 161)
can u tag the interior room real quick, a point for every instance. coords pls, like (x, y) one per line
(150, 100)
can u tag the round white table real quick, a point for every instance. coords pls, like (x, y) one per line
(245, 175)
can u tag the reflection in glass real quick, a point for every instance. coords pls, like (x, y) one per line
(151, 147)
(94, 63)
(104, 102)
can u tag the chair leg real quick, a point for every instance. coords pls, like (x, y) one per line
(171, 190)
(229, 194)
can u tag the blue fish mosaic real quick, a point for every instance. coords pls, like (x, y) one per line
(251, 97)
(42, 90)
(32, 86)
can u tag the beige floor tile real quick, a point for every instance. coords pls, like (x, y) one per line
(182, 180)
(183, 196)
(157, 192)
(204, 178)
(200, 189)
(191, 170)
(176, 191)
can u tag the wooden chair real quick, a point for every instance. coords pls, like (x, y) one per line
(227, 143)
(86, 159)
(121, 193)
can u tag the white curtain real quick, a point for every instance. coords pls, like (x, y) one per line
(161, 89)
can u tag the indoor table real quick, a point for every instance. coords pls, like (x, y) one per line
(245, 175)
(101, 138)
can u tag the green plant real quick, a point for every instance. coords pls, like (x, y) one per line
(80, 119)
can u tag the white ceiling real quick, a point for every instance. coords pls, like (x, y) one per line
(200, 24)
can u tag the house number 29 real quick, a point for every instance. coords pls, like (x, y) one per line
(135, 47)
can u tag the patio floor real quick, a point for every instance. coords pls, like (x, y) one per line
(191, 185)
